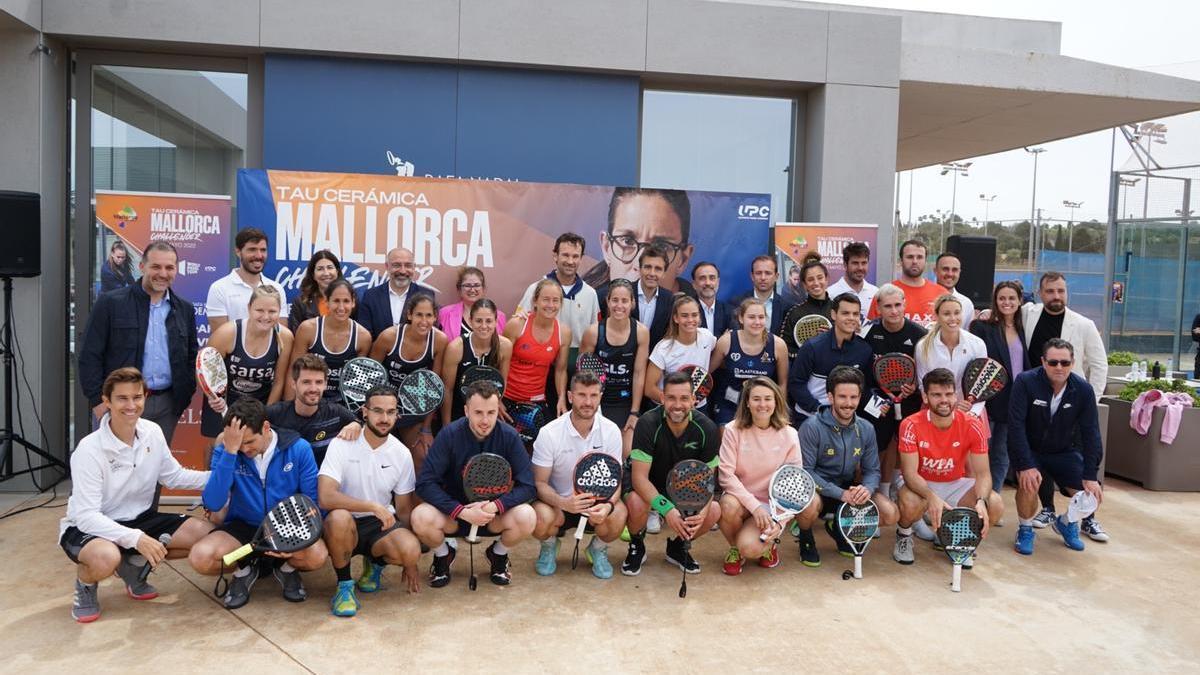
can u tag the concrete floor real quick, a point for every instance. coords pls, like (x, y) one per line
(1131, 605)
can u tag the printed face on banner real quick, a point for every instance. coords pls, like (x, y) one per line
(506, 229)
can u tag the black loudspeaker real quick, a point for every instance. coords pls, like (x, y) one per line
(20, 227)
(978, 257)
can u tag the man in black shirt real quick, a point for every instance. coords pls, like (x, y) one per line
(662, 438)
(317, 420)
(893, 333)
(1048, 326)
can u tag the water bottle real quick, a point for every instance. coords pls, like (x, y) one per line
(1135, 372)
(1144, 369)
(1170, 367)
(1157, 371)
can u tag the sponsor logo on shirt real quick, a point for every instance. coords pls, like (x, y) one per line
(287, 467)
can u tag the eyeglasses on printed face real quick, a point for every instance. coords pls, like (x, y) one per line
(471, 287)
(626, 247)
(1056, 363)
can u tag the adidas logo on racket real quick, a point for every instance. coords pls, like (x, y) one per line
(598, 475)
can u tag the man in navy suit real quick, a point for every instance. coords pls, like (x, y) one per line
(652, 305)
(382, 306)
(764, 274)
(714, 314)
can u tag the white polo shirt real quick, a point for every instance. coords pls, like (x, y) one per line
(865, 296)
(370, 475)
(559, 446)
(229, 297)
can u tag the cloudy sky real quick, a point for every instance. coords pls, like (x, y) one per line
(1158, 35)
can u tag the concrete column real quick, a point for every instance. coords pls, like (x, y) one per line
(850, 161)
(33, 143)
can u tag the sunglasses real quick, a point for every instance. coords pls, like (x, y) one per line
(1057, 363)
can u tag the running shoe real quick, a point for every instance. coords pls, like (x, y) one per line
(292, 585)
(1091, 527)
(902, 552)
(547, 560)
(733, 562)
(345, 599)
(681, 558)
(770, 559)
(1043, 519)
(809, 556)
(133, 570)
(1025, 539)
(439, 571)
(634, 559)
(1069, 532)
(371, 579)
(654, 523)
(85, 607)
(239, 589)
(501, 574)
(597, 555)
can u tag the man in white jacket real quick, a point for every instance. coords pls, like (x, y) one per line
(110, 524)
(1051, 318)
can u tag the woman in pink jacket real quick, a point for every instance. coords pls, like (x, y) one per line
(757, 442)
(454, 319)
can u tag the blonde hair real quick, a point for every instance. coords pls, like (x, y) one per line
(681, 299)
(744, 419)
(935, 331)
(265, 291)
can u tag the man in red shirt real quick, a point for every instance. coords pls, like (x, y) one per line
(937, 445)
(919, 292)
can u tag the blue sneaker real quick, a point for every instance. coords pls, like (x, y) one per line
(1025, 537)
(345, 600)
(1069, 532)
(371, 579)
(547, 560)
(597, 555)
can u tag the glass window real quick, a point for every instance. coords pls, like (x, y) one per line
(716, 142)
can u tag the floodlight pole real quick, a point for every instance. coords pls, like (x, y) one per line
(1033, 203)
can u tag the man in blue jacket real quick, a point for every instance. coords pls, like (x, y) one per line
(447, 510)
(253, 469)
(1053, 431)
(837, 447)
(382, 306)
(841, 346)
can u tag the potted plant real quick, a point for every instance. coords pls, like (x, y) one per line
(1146, 459)
(1119, 363)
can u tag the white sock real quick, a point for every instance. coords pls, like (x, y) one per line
(499, 548)
(442, 550)
(243, 571)
(548, 540)
(1025, 522)
(452, 543)
(596, 544)
(287, 568)
(904, 531)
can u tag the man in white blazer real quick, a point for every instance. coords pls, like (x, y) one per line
(1051, 318)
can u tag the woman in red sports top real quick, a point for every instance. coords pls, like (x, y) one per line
(538, 341)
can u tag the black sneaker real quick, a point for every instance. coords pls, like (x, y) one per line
(809, 557)
(634, 559)
(501, 576)
(290, 582)
(439, 571)
(239, 589)
(835, 532)
(680, 557)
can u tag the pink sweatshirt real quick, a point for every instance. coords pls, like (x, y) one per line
(750, 456)
(1142, 414)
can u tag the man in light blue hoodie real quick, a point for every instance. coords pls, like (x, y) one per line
(841, 454)
(253, 469)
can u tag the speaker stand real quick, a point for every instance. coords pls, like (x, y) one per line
(8, 436)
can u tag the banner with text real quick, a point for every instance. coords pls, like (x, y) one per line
(505, 228)
(795, 241)
(198, 226)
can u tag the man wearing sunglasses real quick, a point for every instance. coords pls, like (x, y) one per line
(1053, 433)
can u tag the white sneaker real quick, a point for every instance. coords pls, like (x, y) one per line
(654, 523)
(923, 530)
(1091, 527)
(1043, 519)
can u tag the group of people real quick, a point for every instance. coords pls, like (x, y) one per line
(391, 489)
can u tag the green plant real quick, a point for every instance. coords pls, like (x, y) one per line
(1121, 358)
(1135, 389)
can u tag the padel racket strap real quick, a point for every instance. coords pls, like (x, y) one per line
(662, 505)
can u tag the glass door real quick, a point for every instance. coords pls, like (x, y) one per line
(1154, 287)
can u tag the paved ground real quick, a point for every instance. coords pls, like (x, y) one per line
(1131, 605)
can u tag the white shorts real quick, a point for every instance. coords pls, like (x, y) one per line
(950, 492)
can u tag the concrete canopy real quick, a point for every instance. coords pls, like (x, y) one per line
(964, 103)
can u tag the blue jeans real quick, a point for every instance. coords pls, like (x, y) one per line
(998, 454)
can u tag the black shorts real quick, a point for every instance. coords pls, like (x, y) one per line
(570, 522)
(1064, 468)
(885, 430)
(153, 523)
(242, 531)
(211, 422)
(370, 530)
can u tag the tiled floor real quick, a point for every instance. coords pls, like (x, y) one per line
(1132, 605)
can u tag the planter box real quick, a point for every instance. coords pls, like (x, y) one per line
(1145, 459)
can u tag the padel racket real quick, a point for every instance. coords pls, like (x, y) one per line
(702, 382)
(591, 362)
(211, 373)
(690, 486)
(292, 525)
(983, 379)
(960, 533)
(527, 419)
(599, 475)
(858, 525)
(420, 393)
(809, 327)
(486, 476)
(359, 376)
(481, 373)
(790, 491)
(892, 372)
(788, 325)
